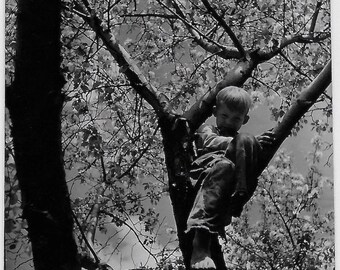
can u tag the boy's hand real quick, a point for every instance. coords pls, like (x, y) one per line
(267, 138)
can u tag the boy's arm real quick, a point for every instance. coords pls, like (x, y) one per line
(210, 140)
(266, 139)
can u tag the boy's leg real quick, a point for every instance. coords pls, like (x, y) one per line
(243, 151)
(208, 212)
(201, 254)
(212, 197)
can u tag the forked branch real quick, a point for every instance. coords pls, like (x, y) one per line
(202, 39)
(226, 27)
(122, 57)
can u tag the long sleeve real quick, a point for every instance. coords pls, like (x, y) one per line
(208, 139)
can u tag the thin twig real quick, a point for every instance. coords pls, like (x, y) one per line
(166, 16)
(282, 218)
(139, 157)
(85, 239)
(76, 11)
(247, 248)
(133, 231)
(123, 59)
(200, 64)
(315, 17)
(103, 168)
(298, 70)
(181, 16)
(226, 27)
(303, 39)
(20, 264)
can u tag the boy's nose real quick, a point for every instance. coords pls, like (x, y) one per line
(229, 123)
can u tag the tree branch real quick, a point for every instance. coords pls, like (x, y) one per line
(93, 222)
(210, 46)
(246, 248)
(143, 151)
(85, 239)
(298, 70)
(304, 39)
(166, 16)
(282, 218)
(133, 231)
(302, 104)
(222, 22)
(123, 58)
(314, 18)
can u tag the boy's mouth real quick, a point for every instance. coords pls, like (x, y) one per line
(228, 131)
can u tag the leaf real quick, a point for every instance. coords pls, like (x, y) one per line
(13, 198)
(9, 225)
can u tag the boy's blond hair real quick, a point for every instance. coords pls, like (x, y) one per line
(235, 98)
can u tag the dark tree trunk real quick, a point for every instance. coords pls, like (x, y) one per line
(35, 101)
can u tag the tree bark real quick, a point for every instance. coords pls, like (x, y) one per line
(35, 101)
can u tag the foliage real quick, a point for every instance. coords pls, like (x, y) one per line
(16, 240)
(292, 232)
(112, 148)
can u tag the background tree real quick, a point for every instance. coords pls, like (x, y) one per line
(35, 102)
(167, 56)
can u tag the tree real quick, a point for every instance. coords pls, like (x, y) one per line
(111, 132)
(35, 101)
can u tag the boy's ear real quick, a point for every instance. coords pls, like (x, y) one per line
(214, 110)
(246, 118)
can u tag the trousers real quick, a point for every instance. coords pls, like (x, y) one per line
(219, 178)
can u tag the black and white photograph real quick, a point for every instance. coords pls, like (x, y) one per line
(170, 135)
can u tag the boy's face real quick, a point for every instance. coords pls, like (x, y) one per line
(229, 121)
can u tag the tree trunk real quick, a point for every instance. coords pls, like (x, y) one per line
(35, 101)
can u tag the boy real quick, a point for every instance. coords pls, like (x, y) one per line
(224, 171)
